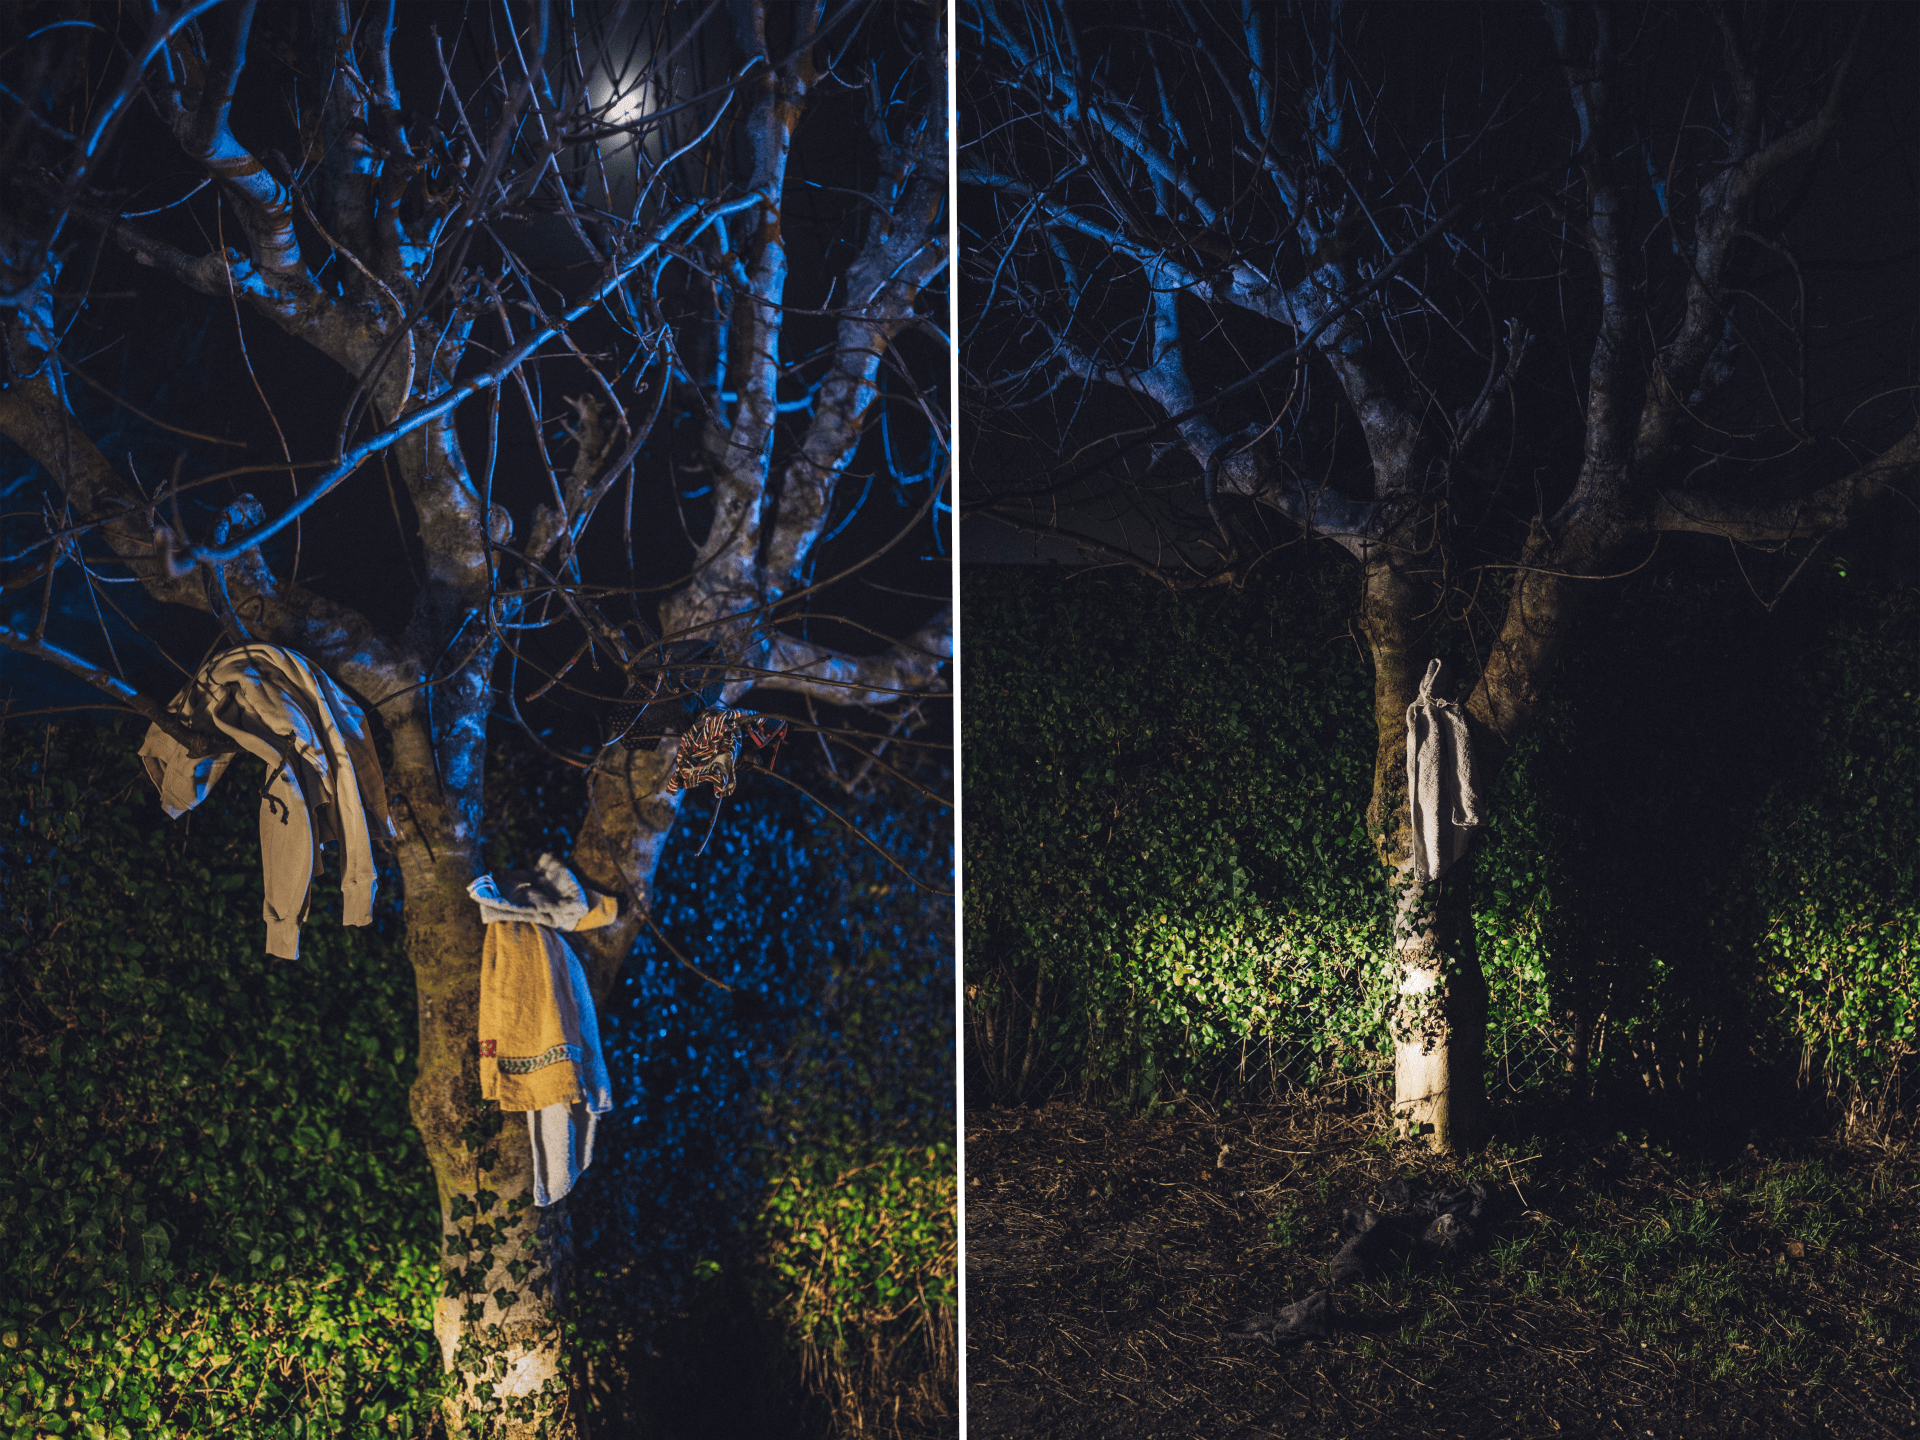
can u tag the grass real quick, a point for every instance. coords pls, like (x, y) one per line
(1630, 1284)
(1288, 1226)
(1717, 1272)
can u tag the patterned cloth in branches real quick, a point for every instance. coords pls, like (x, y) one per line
(710, 749)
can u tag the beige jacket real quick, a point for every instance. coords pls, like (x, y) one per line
(324, 779)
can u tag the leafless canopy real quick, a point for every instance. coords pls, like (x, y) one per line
(631, 337)
(1454, 287)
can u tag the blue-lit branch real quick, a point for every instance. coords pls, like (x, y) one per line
(88, 151)
(465, 390)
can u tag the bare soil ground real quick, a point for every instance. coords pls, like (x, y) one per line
(1629, 1289)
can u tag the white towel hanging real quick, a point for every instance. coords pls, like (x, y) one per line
(1442, 789)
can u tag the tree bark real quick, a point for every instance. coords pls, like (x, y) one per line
(1438, 1018)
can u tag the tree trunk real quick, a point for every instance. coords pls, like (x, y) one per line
(1438, 1018)
(505, 1264)
(506, 1267)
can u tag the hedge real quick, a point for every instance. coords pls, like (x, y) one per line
(1702, 856)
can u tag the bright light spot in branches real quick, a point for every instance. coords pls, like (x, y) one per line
(626, 107)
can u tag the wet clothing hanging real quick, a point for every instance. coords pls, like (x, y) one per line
(679, 696)
(1442, 789)
(539, 1040)
(710, 751)
(323, 777)
(562, 1138)
(539, 1037)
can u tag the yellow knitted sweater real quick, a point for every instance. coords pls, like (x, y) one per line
(533, 1046)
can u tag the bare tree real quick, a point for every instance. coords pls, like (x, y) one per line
(660, 239)
(1491, 298)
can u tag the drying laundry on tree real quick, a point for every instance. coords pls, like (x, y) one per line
(1442, 786)
(681, 697)
(539, 1038)
(710, 751)
(664, 698)
(323, 776)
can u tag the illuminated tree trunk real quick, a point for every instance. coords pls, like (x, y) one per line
(1437, 1020)
(505, 1263)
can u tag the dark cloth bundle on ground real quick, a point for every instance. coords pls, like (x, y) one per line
(1423, 1223)
(1369, 1245)
(1459, 1223)
(1404, 1194)
(1308, 1319)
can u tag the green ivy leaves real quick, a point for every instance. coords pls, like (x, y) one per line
(192, 1249)
(859, 1247)
(1702, 846)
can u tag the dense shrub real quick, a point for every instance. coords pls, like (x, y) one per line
(219, 1220)
(1701, 850)
(816, 1096)
(1165, 857)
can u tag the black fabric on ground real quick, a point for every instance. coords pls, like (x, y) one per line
(1308, 1319)
(1434, 1226)
(1371, 1243)
(1451, 1236)
(1462, 1221)
(1424, 1199)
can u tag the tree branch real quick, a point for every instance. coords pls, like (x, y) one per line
(197, 745)
(35, 418)
(454, 395)
(803, 668)
(1724, 203)
(1774, 521)
(263, 204)
(902, 252)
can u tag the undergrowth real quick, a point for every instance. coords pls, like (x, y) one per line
(220, 1220)
(1699, 862)
(1675, 1285)
(1716, 1267)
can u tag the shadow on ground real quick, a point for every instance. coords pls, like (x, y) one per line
(720, 1370)
(1628, 1288)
